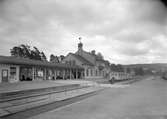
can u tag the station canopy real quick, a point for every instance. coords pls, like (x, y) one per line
(29, 62)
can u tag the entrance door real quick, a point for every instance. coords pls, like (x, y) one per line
(26, 73)
(4, 75)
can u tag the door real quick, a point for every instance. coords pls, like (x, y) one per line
(4, 75)
(26, 73)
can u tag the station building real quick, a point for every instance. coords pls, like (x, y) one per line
(15, 69)
(94, 67)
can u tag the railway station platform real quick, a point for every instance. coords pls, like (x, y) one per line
(21, 96)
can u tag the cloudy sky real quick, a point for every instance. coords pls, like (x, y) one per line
(124, 31)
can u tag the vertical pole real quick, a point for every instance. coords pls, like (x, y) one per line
(45, 74)
(70, 74)
(76, 74)
(58, 72)
(18, 74)
(55, 72)
(33, 73)
(63, 74)
(67, 73)
(82, 72)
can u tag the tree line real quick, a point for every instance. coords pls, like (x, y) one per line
(32, 52)
(26, 51)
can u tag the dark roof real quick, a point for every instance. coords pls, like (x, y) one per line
(96, 57)
(82, 59)
(29, 62)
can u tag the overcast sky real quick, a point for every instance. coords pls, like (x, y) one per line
(124, 31)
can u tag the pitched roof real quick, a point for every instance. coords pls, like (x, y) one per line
(96, 57)
(29, 62)
(82, 59)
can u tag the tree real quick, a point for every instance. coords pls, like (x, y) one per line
(25, 51)
(93, 52)
(139, 71)
(100, 56)
(43, 56)
(16, 51)
(35, 54)
(117, 68)
(54, 59)
(128, 70)
(61, 58)
(120, 68)
(113, 67)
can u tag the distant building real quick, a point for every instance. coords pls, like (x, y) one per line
(93, 65)
(120, 75)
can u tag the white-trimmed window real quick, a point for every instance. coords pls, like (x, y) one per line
(13, 71)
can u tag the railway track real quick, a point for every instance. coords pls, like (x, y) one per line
(48, 107)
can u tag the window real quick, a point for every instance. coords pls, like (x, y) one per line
(12, 70)
(40, 73)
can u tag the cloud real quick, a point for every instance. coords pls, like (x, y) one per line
(129, 30)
